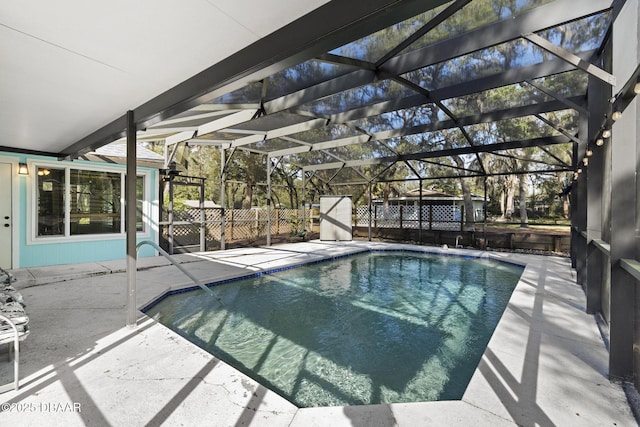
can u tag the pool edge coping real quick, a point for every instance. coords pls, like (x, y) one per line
(188, 287)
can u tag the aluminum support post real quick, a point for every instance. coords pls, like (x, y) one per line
(130, 217)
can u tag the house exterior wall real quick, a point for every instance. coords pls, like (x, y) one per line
(29, 250)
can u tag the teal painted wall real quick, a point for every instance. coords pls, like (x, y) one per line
(102, 248)
(76, 252)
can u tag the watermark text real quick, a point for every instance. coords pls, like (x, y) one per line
(58, 407)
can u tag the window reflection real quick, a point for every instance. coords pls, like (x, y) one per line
(95, 202)
(51, 202)
(139, 203)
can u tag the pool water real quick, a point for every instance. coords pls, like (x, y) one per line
(378, 327)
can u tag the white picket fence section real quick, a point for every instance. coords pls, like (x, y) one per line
(240, 224)
(250, 224)
(434, 217)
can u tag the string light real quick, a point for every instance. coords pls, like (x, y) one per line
(616, 115)
(589, 153)
(606, 133)
(585, 161)
(636, 88)
(599, 142)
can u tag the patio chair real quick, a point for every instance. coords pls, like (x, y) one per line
(12, 336)
(14, 327)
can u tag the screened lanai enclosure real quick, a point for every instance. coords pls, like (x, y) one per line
(470, 91)
(357, 96)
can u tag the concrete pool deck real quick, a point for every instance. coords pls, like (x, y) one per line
(546, 363)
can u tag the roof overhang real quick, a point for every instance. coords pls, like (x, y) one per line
(69, 68)
(195, 111)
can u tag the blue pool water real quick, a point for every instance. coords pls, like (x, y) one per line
(378, 327)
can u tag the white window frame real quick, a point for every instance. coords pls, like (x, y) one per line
(32, 203)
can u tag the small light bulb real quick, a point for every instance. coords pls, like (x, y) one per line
(580, 170)
(589, 153)
(616, 115)
(606, 133)
(585, 161)
(636, 88)
(599, 142)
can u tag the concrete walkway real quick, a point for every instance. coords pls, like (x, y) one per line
(545, 365)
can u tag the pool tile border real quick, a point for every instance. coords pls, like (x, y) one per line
(327, 258)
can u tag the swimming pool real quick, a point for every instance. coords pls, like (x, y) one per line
(378, 327)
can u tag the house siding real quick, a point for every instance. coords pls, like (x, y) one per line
(29, 252)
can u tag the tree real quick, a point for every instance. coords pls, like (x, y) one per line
(250, 168)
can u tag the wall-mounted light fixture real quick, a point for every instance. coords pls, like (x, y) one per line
(23, 169)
